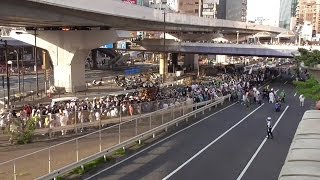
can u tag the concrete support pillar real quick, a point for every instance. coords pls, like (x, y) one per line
(189, 62)
(68, 51)
(163, 69)
(174, 60)
(192, 61)
(174, 57)
(153, 57)
(94, 56)
(196, 63)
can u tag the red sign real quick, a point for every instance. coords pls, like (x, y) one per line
(130, 1)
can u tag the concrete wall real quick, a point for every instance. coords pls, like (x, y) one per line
(303, 159)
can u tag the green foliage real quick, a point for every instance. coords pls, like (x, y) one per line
(120, 152)
(24, 135)
(89, 166)
(309, 58)
(309, 88)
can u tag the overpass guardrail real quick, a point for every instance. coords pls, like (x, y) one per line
(59, 159)
(303, 159)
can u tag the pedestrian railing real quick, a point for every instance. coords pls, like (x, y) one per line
(61, 158)
(75, 123)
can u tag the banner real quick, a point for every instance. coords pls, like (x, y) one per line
(130, 1)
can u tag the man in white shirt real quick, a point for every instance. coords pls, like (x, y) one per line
(269, 128)
(301, 98)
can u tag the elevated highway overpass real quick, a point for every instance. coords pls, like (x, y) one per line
(221, 49)
(95, 23)
(111, 14)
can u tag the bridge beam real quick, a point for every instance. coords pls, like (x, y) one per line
(68, 51)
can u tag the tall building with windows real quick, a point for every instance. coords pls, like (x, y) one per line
(285, 13)
(308, 11)
(236, 10)
(189, 7)
(221, 9)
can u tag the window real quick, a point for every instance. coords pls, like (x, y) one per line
(196, 10)
(196, 2)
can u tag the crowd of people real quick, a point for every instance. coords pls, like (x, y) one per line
(150, 97)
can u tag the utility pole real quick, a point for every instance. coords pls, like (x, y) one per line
(7, 70)
(18, 67)
(35, 60)
(164, 45)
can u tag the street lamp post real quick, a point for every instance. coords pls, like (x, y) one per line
(237, 37)
(18, 67)
(23, 71)
(36, 61)
(164, 43)
(7, 69)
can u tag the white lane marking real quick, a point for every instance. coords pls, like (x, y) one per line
(295, 94)
(210, 144)
(158, 142)
(285, 82)
(260, 147)
(292, 76)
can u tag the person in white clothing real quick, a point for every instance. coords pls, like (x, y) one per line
(271, 97)
(301, 98)
(269, 128)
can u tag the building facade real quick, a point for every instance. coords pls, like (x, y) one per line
(287, 18)
(190, 7)
(236, 10)
(221, 9)
(308, 12)
(285, 13)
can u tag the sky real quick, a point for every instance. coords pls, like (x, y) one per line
(268, 9)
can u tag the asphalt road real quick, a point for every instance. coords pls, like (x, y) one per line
(30, 81)
(29, 84)
(229, 144)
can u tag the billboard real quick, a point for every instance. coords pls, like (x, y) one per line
(121, 45)
(108, 46)
(130, 1)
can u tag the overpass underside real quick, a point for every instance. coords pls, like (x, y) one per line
(68, 51)
(156, 45)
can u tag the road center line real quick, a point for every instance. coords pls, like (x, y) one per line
(212, 142)
(260, 147)
(285, 82)
(164, 139)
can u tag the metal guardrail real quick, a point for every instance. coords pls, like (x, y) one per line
(102, 122)
(59, 158)
(75, 123)
(151, 132)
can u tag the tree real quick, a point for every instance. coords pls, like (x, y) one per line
(309, 58)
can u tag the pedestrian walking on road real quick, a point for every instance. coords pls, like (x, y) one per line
(271, 96)
(282, 96)
(269, 128)
(301, 98)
